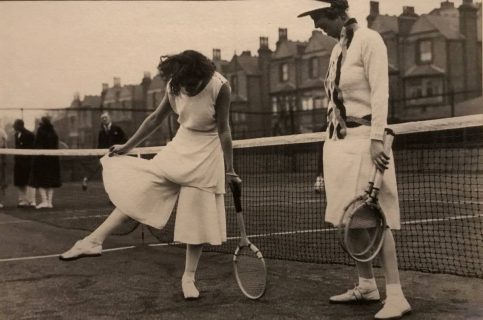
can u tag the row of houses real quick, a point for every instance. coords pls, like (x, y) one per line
(435, 67)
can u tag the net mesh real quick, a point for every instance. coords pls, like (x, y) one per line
(439, 173)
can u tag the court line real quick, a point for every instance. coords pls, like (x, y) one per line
(334, 229)
(255, 236)
(56, 255)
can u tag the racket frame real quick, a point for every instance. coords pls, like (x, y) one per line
(245, 242)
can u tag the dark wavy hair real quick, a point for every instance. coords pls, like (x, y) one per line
(186, 69)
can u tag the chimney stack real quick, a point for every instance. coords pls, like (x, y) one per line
(408, 11)
(282, 34)
(406, 20)
(105, 86)
(117, 82)
(263, 42)
(216, 54)
(469, 29)
(447, 5)
(373, 13)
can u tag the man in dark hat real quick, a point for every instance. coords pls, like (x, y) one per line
(357, 87)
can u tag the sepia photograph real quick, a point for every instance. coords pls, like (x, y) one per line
(241, 159)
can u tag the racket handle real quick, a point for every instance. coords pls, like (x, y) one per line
(388, 140)
(236, 190)
(241, 225)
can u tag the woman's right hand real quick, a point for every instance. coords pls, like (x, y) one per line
(233, 178)
(118, 149)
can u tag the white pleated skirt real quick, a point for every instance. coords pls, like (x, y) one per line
(189, 169)
(347, 169)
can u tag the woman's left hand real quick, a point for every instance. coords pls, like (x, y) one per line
(380, 159)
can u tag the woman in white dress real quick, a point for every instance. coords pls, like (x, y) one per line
(192, 168)
(357, 86)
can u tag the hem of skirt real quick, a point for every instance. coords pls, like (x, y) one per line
(217, 243)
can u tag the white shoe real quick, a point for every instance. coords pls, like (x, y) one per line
(356, 296)
(82, 248)
(395, 307)
(42, 205)
(319, 184)
(190, 291)
(23, 204)
(1, 206)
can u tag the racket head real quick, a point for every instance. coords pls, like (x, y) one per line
(250, 271)
(362, 230)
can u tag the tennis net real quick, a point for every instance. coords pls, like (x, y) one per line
(439, 167)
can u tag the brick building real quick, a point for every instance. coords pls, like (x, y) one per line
(435, 58)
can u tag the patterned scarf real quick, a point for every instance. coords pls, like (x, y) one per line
(336, 112)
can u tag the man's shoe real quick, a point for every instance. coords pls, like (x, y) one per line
(81, 249)
(395, 307)
(356, 296)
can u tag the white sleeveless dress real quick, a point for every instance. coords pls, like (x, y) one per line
(189, 169)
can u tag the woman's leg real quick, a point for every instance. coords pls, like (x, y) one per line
(193, 254)
(50, 195)
(92, 244)
(114, 220)
(366, 289)
(44, 202)
(396, 304)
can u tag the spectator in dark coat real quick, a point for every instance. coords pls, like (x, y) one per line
(46, 169)
(110, 133)
(24, 139)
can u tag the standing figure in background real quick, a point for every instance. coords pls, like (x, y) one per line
(110, 134)
(3, 166)
(24, 139)
(357, 85)
(46, 169)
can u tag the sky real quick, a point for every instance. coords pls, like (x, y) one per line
(50, 50)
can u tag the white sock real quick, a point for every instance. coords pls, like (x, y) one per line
(394, 290)
(367, 284)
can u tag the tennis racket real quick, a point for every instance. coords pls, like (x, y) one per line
(248, 263)
(363, 224)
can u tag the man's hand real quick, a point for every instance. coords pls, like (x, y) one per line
(380, 159)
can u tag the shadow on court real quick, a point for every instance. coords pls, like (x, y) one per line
(143, 282)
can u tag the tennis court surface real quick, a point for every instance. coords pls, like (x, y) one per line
(439, 167)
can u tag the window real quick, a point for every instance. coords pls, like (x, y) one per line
(274, 105)
(424, 91)
(307, 103)
(234, 84)
(425, 51)
(314, 67)
(283, 72)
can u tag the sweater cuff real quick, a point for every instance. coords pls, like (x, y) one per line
(377, 134)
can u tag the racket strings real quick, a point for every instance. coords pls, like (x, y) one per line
(251, 272)
(364, 232)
